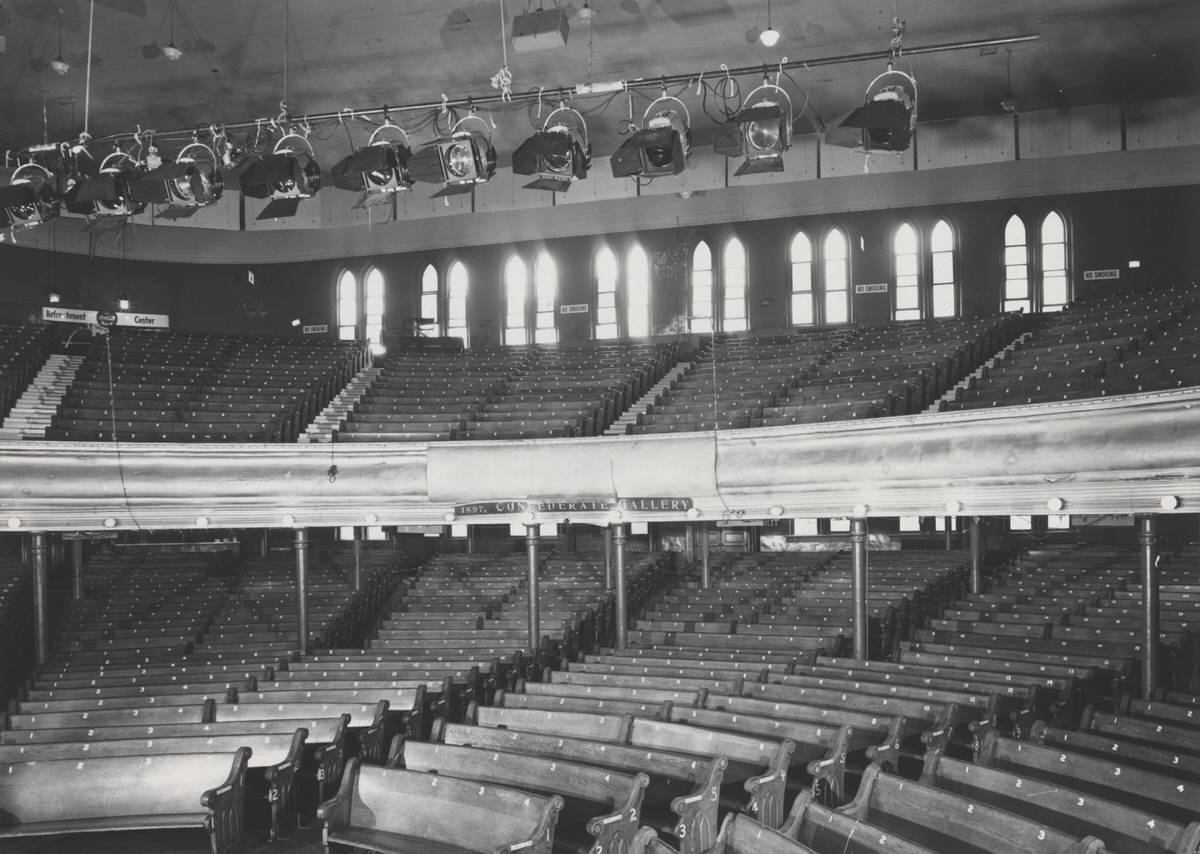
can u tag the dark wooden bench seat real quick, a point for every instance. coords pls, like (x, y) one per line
(589, 704)
(827, 830)
(946, 822)
(1156, 793)
(761, 765)
(1068, 793)
(682, 798)
(928, 723)
(191, 790)
(602, 808)
(373, 724)
(1162, 759)
(21, 724)
(739, 834)
(440, 814)
(277, 755)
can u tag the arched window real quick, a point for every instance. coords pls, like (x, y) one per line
(516, 286)
(702, 289)
(835, 259)
(1016, 266)
(945, 270)
(545, 288)
(347, 306)
(801, 255)
(906, 258)
(457, 286)
(733, 277)
(430, 296)
(1054, 296)
(373, 310)
(606, 294)
(637, 292)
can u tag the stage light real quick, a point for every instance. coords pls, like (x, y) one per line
(381, 166)
(108, 192)
(661, 146)
(459, 161)
(287, 176)
(760, 131)
(888, 117)
(191, 182)
(558, 154)
(29, 199)
(172, 53)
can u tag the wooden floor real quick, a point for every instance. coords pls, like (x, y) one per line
(305, 841)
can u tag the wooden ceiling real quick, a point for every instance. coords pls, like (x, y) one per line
(365, 53)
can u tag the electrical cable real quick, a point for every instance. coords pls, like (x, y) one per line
(631, 86)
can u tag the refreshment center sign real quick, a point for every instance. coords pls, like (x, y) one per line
(56, 314)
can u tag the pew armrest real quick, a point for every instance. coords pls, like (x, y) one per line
(767, 791)
(618, 830)
(281, 784)
(224, 805)
(696, 829)
(541, 841)
(886, 754)
(335, 812)
(829, 774)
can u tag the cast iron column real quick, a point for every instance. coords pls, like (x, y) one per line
(622, 602)
(531, 549)
(1149, 539)
(302, 590)
(858, 541)
(41, 639)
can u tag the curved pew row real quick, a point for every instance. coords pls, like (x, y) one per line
(204, 791)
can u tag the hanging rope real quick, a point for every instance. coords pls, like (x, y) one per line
(285, 53)
(87, 87)
(503, 79)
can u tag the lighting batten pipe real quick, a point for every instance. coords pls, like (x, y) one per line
(87, 86)
(634, 83)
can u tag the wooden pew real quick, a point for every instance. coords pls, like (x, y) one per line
(277, 755)
(827, 829)
(946, 822)
(739, 834)
(1164, 760)
(873, 738)
(591, 705)
(1153, 792)
(761, 765)
(605, 804)
(372, 724)
(458, 815)
(690, 786)
(820, 750)
(60, 796)
(1065, 807)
